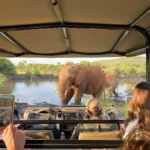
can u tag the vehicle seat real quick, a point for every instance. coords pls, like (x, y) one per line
(112, 135)
(38, 134)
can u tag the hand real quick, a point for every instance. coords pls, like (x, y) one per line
(13, 138)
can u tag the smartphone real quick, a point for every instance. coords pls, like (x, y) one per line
(6, 110)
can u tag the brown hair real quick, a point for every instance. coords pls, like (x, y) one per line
(138, 139)
(139, 106)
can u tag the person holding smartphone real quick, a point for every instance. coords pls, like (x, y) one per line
(13, 138)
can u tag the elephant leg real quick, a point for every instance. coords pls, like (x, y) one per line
(77, 96)
(99, 92)
(104, 94)
(115, 93)
(69, 94)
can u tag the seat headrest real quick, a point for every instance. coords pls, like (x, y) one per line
(112, 135)
(40, 134)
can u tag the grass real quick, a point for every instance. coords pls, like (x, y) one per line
(123, 108)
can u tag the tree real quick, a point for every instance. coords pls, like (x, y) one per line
(85, 63)
(69, 63)
(21, 64)
(7, 67)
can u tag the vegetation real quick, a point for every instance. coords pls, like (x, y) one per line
(122, 108)
(2, 78)
(28, 75)
(7, 69)
(121, 67)
(38, 69)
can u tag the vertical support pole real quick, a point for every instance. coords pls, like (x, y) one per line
(148, 63)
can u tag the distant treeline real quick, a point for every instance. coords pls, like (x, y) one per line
(121, 67)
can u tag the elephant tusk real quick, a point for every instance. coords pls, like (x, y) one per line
(66, 93)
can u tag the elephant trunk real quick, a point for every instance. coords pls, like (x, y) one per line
(62, 88)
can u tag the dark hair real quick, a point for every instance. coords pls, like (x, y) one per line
(143, 85)
(138, 139)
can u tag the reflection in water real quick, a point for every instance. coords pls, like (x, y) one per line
(7, 88)
(45, 90)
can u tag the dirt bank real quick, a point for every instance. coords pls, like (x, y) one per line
(43, 76)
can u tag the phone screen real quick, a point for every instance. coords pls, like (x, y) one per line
(6, 110)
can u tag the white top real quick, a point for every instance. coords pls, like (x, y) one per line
(130, 127)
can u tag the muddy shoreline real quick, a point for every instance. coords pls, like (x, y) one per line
(43, 76)
(51, 76)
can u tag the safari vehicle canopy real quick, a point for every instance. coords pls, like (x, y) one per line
(75, 28)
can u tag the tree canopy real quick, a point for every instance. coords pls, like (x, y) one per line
(7, 67)
(121, 67)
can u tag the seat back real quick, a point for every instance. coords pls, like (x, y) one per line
(112, 135)
(38, 134)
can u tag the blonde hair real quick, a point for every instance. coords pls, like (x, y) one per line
(139, 106)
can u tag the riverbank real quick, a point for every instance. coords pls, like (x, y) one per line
(51, 76)
(43, 76)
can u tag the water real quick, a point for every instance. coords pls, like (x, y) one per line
(45, 91)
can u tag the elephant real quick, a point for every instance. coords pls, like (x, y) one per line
(112, 84)
(76, 80)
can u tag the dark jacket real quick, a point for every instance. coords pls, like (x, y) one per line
(95, 127)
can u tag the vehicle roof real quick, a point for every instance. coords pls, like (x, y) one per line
(74, 28)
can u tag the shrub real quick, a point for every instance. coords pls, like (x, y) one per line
(3, 78)
(37, 73)
(7, 68)
(28, 75)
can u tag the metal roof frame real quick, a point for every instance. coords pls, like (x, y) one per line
(65, 25)
(70, 25)
(70, 144)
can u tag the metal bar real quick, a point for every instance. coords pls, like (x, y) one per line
(135, 52)
(96, 53)
(70, 144)
(57, 10)
(13, 41)
(141, 17)
(65, 121)
(72, 106)
(123, 36)
(148, 59)
(66, 52)
(67, 25)
(6, 53)
(72, 25)
(148, 65)
(60, 18)
(148, 29)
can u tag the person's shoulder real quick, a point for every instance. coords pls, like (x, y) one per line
(104, 116)
(130, 127)
(133, 123)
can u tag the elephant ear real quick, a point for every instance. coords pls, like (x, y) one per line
(80, 76)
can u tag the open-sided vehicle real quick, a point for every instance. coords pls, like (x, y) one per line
(63, 113)
(73, 28)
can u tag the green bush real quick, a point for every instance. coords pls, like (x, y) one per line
(3, 78)
(28, 75)
(37, 73)
(7, 68)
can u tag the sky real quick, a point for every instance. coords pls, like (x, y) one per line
(60, 60)
(55, 60)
